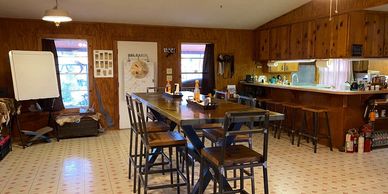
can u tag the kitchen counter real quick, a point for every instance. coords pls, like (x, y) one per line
(317, 89)
(346, 108)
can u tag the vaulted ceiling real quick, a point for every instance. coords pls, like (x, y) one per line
(233, 14)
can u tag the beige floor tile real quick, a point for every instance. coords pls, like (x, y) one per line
(100, 165)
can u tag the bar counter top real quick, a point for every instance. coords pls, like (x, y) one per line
(316, 89)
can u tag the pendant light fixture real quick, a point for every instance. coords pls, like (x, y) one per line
(56, 15)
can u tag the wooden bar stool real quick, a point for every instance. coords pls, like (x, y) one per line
(275, 106)
(159, 140)
(236, 157)
(215, 135)
(290, 111)
(152, 127)
(315, 130)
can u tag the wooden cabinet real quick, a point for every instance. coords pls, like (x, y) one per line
(332, 37)
(386, 37)
(302, 40)
(374, 38)
(284, 67)
(279, 43)
(354, 34)
(339, 36)
(263, 36)
(322, 38)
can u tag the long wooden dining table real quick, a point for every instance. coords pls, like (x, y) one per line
(186, 116)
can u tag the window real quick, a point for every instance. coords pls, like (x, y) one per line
(306, 73)
(73, 69)
(191, 61)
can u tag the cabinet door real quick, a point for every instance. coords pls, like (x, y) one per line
(291, 67)
(302, 40)
(279, 43)
(356, 32)
(279, 68)
(296, 41)
(263, 45)
(386, 37)
(374, 39)
(322, 38)
(309, 40)
(339, 36)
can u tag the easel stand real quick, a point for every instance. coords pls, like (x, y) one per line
(40, 134)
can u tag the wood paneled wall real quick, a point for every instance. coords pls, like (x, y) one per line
(320, 8)
(24, 34)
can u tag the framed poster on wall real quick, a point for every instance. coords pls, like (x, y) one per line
(103, 63)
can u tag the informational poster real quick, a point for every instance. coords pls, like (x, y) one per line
(103, 63)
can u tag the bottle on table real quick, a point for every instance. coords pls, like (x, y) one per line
(168, 87)
(197, 92)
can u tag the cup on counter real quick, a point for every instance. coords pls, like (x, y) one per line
(383, 113)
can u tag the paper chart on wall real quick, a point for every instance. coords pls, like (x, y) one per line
(103, 63)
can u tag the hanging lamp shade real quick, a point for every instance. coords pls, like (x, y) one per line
(56, 15)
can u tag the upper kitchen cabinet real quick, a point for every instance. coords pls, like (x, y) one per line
(302, 40)
(356, 34)
(279, 42)
(284, 68)
(322, 38)
(374, 38)
(332, 37)
(339, 36)
(386, 36)
(263, 48)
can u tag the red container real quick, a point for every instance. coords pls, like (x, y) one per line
(367, 145)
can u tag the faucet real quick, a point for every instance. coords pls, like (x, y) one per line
(294, 77)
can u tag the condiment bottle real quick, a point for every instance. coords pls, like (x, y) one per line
(372, 116)
(197, 92)
(168, 87)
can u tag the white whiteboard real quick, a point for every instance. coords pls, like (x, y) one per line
(33, 75)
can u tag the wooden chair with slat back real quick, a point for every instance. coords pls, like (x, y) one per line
(152, 127)
(220, 94)
(227, 157)
(159, 140)
(215, 135)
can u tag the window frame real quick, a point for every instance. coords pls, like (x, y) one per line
(86, 73)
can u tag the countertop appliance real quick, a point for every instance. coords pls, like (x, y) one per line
(249, 78)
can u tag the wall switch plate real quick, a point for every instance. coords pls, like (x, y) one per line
(259, 66)
(169, 78)
(169, 71)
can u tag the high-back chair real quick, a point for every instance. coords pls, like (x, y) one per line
(226, 156)
(216, 134)
(220, 95)
(152, 127)
(155, 141)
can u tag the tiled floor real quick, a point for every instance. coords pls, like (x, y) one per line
(100, 165)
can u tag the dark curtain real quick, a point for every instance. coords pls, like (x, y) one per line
(208, 80)
(49, 45)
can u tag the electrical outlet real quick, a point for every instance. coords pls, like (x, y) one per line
(169, 78)
(169, 71)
